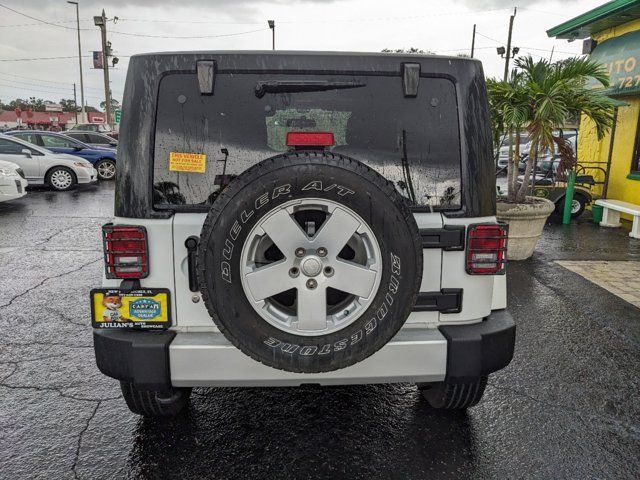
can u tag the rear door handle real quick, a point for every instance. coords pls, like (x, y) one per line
(191, 244)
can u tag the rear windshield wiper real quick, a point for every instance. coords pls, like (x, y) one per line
(294, 86)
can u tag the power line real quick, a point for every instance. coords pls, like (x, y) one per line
(53, 87)
(40, 58)
(315, 20)
(42, 81)
(462, 49)
(34, 89)
(528, 48)
(195, 22)
(489, 38)
(555, 51)
(39, 19)
(35, 24)
(112, 32)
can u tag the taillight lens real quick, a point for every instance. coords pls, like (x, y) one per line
(309, 139)
(486, 249)
(125, 251)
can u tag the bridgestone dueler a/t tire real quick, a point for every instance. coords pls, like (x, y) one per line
(151, 403)
(278, 180)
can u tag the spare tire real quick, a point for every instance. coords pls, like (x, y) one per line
(309, 262)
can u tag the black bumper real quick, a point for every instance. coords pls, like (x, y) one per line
(479, 349)
(142, 358)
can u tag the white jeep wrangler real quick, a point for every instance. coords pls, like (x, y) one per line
(300, 218)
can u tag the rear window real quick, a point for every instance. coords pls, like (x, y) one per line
(413, 142)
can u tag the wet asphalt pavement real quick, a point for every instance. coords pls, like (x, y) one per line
(566, 407)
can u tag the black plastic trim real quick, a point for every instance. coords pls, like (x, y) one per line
(479, 349)
(141, 358)
(191, 244)
(447, 300)
(449, 237)
(410, 79)
(206, 71)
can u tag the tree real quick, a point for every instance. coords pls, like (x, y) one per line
(114, 104)
(407, 50)
(68, 105)
(540, 97)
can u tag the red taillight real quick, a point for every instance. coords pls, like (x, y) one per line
(486, 249)
(309, 139)
(125, 251)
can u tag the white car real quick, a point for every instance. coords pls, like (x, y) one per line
(12, 182)
(43, 167)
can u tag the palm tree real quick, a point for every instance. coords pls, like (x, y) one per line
(540, 97)
(510, 112)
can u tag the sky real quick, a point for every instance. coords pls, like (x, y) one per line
(444, 27)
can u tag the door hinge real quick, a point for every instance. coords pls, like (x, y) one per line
(449, 237)
(447, 300)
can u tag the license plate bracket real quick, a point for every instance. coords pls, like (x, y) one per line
(139, 309)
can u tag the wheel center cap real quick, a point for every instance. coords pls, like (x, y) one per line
(311, 266)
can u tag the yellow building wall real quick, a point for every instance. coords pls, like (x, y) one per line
(594, 152)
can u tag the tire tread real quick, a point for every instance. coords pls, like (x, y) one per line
(146, 402)
(284, 161)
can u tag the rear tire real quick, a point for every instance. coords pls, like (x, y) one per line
(152, 403)
(106, 169)
(453, 396)
(578, 205)
(60, 179)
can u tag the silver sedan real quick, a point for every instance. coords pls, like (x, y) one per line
(43, 167)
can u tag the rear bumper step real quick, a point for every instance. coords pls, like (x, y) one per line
(155, 361)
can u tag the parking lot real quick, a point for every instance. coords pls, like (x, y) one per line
(566, 407)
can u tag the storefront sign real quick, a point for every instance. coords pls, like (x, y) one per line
(621, 58)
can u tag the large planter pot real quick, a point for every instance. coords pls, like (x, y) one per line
(526, 221)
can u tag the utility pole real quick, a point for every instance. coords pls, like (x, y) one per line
(75, 103)
(506, 61)
(83, 116)
(272, 26)
(473, 40)
(101, 22)
(551, 56)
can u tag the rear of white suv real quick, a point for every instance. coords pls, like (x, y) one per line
(286, 219)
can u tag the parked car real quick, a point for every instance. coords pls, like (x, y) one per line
(95, 127)
(503, 152)
(12, 182)
(322, 262)
(92, 138)
(43, 167)
(103, 159)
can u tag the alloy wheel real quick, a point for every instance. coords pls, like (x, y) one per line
(311, 267)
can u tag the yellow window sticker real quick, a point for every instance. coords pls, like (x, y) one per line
(187, 162)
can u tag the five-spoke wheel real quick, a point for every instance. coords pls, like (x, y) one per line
(311, 266)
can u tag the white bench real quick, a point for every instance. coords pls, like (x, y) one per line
(611, 214)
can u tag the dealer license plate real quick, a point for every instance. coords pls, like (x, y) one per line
(138, 309)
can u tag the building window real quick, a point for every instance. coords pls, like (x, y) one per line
(635, 162)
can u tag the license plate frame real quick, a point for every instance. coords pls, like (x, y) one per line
(139, 309)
